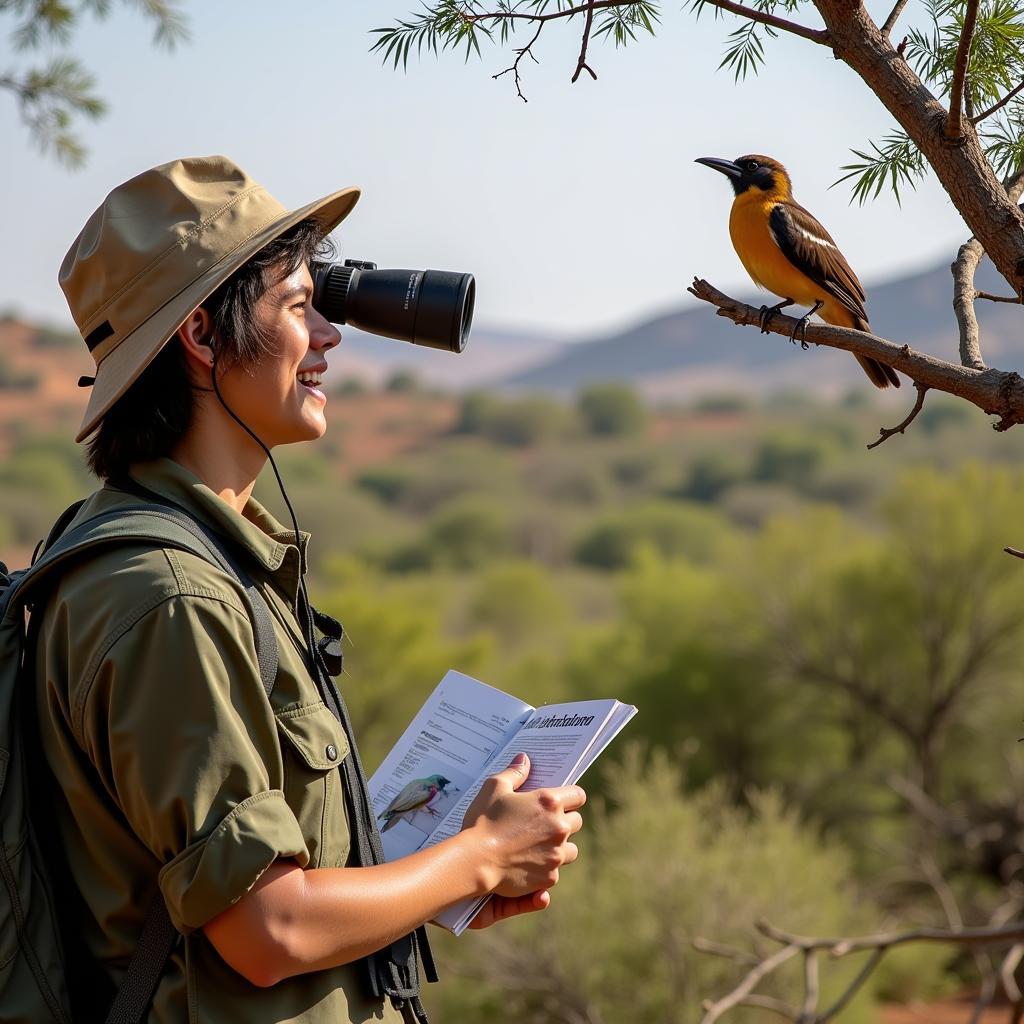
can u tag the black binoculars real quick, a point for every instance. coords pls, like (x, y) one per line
(425, 307)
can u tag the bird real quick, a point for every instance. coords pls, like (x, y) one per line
(417, 795)
(786, 250)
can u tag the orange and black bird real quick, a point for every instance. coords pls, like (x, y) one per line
(787, 251)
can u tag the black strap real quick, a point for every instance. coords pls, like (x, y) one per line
(393, 971)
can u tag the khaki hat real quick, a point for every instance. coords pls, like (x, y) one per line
(158, 246)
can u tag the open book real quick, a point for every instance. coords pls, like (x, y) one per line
(464, 733)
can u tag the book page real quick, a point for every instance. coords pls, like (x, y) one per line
(440, 757)
(562, 741)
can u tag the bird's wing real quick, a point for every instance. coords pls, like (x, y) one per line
(412, 796)
(811, 249)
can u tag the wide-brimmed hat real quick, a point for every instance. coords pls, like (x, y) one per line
(158, 246)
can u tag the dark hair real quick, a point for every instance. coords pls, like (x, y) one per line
(147, 421)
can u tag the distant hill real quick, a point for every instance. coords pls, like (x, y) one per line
(678, 355)
(692, 351)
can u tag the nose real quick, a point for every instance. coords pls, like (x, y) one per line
(323, 335)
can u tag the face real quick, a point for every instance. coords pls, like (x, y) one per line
(280, 398)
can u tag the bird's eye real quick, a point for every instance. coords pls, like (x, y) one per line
(752, 165)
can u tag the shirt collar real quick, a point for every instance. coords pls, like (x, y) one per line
(254, 528)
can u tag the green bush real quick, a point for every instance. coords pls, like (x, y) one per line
(612, 410)
(658, 869)
(673, 530)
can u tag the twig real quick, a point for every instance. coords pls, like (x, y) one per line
(954, 126)
(851, 990)
(520, 53)
(1006, 972)
(816, 35)
(998, 392)
(811, 988)
(1016, 552)
(886, 432)
(703, 945)
(582, 64)
(712, 1011)
(1015, 299)
(890, 22)
(997, 106)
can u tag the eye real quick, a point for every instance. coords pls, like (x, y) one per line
(752, 165)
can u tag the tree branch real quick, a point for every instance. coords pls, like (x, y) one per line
(581, 64)
(996, 392)
(954, 126)
(818, 35)
(894, 14)
(520, 53)
(886, 432)
(963, 268)
(879, 944)
(712, 1011)
(998, 106)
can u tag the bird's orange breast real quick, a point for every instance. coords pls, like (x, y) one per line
(762, 258)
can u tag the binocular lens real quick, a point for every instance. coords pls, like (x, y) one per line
(425, 307)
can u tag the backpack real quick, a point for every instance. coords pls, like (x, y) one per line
(35, 982)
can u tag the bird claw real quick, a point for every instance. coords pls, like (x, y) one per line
(801, 326)
(767, 312)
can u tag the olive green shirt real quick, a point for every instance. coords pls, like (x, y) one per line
(174, 770)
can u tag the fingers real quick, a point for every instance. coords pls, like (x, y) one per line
(569, 797)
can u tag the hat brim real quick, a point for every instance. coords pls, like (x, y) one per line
(125, 364)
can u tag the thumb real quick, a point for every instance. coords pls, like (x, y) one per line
(515, 774)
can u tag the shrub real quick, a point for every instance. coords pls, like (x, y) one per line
(612, 410)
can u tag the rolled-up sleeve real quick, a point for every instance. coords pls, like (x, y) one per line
(176, 721)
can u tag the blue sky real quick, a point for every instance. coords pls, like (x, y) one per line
(579, 212)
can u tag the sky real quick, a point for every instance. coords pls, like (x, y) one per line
(579, 212)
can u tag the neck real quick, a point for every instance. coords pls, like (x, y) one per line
(218, 451)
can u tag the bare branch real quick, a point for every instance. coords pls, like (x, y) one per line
(879, 944)
(963, 269)
(997, 106)
(520, 53)
(886, 432)
(1014, 299)
(703, 945)
(997, 392)
(890, 22)
(712, 1011)
(1006, 973)
(808, 1011)
(954, 126)
(581, 64)
(816, 35)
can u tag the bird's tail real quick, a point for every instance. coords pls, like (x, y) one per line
(392, 820)
(879, 374)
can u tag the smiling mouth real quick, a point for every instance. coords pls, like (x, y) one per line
(310, 380)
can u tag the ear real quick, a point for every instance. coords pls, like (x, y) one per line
(196, 337)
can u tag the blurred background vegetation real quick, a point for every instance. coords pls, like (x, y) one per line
(824, 644)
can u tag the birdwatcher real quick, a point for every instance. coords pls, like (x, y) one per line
(195, 793)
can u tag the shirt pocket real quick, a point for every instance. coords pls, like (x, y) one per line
(313, 745)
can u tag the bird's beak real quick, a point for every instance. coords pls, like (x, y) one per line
(727, 167)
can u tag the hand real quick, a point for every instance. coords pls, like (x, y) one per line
(500, 908)
(524, 837)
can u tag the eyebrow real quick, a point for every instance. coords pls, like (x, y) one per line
(293, 293)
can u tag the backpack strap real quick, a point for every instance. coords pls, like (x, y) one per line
(164, 526)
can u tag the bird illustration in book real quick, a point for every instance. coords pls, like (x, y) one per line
(420, 794)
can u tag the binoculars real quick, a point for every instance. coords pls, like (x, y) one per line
(424, 307)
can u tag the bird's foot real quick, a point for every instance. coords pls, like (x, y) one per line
(801, 326)
(767, 312)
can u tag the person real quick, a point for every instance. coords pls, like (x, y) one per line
(174, 774)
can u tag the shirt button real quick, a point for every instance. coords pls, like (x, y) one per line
(331, 752)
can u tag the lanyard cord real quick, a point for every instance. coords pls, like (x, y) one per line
(391, 971)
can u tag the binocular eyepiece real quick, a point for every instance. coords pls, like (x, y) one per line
(425, 307)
